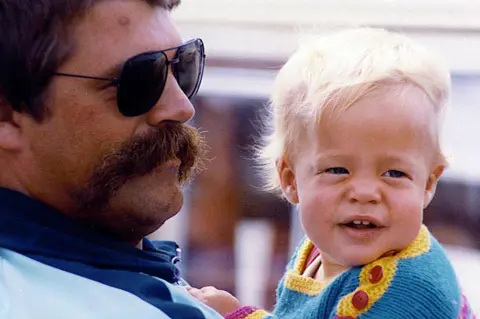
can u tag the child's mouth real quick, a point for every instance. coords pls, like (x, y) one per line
(359, 224)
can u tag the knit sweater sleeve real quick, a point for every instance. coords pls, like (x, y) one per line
(248, 312)
(417, 282)
(414, 292)
(416, 297)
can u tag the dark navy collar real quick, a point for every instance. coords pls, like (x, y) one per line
(31, 228)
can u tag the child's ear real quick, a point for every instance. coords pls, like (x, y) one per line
(287, 181)
(431, 186)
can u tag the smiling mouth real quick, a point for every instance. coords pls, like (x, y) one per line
(360, 224)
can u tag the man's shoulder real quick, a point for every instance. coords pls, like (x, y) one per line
(29, 288)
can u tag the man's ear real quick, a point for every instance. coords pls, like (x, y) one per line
(10, 128)
(287, 180)
(431, 186)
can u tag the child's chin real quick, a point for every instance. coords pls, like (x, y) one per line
(360, 258)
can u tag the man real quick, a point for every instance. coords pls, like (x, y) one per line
(94, 149)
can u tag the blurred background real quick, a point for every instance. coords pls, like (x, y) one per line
(238, 238)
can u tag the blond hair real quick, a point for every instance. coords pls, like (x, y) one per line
(332, 72)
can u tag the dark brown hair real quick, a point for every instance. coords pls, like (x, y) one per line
(34, 41)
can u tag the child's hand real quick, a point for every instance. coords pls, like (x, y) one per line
(220, 300)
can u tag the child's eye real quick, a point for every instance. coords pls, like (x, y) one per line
(336, 170)
(394, 174)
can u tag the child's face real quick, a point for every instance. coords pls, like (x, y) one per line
(363, 178)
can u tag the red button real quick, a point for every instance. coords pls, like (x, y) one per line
(338, 317)
(375, 274)
(360, 299)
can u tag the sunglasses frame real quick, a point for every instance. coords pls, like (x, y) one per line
(168, 63)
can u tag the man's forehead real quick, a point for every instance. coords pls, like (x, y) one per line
(114, 31)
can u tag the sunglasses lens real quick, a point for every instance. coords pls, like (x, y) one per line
(142, 82)
(189, 69)
(144, 76)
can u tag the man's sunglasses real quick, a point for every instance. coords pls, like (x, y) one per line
(143, 77)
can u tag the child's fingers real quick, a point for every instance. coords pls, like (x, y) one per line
(196, 293)
(208, 289)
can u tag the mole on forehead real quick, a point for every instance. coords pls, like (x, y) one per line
(123, 20)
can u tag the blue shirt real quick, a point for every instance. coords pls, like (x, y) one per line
(52, 267)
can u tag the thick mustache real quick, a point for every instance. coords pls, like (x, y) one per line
(143, 154)
(140, 156)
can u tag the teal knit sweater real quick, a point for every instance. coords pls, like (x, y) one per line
(418, 283)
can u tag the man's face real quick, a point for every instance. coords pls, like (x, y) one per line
(120, 174)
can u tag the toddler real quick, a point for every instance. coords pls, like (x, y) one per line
(355, 144)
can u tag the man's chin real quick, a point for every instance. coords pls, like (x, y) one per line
(142, 209)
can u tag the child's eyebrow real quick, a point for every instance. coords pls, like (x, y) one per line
(398, 159)
(329, 156)
(388, 158)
